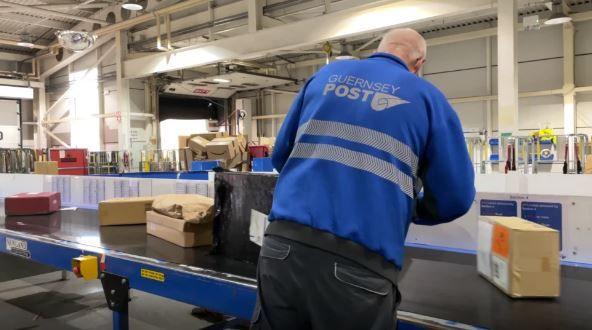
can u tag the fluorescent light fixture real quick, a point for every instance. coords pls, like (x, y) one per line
(558, 18)
(221, 80)
(12, 92)
(132, 5)
(25, 44)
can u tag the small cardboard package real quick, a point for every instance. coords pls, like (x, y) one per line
(178, 231)
(197, 144)
(46, 167)
(224, 148)
(519, 257)
(124, 211)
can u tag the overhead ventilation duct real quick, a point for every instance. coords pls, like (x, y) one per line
(558, 16)
(75, 41)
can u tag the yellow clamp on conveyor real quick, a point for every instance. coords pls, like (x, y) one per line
(86, 267)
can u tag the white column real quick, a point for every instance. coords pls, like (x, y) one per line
(41, 137)
(569, 102)
(123, 92)
(255, 10)
(488, 118)
(507, 67)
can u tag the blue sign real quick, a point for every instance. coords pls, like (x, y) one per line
(499, 208)
(546, 214)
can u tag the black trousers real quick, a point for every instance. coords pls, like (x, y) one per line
(302, 287)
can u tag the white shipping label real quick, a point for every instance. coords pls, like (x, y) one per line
(499, 272)
(485, 230)
(257, 228)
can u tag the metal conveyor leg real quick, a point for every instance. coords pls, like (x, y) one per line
(116, 289)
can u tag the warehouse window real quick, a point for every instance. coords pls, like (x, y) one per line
(84, 110)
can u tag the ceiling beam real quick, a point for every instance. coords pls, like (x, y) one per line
(16, 43)
(25, 8)
(20, 83)
(6, 56)
(338, 25)
(75, 56)
(58, 7)
(18, 18)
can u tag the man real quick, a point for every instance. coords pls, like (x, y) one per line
(360, 140)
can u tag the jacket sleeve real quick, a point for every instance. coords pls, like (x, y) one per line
(287, 135)
(446, 170)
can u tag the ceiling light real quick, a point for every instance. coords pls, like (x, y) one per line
(221, 80)
(132, 5)
(75, 41)
(557, 16)
(25, 41)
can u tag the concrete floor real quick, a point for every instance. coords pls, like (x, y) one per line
(33, 296)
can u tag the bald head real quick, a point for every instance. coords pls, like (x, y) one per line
(406, 44)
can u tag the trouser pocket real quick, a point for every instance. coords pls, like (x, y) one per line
(274, 249)
(362, 279)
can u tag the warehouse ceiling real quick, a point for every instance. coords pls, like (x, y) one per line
(38, 20)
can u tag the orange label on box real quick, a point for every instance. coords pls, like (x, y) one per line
(500, 241)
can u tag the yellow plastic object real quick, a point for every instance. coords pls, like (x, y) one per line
(86, 267)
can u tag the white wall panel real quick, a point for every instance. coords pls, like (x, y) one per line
(540, 75)
(446, 57)
(584, 113)
(460, 83)
(583, 70)
(538, 112)
(582, 37)
(471, 114)
(544, 43)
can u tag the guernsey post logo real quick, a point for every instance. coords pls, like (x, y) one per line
(379, 95)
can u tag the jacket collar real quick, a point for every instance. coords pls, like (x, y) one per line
(390, 57)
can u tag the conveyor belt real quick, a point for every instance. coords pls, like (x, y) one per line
(81, 226)
(436, 283)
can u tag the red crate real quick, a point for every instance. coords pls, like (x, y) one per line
(70, 161)
(259, 151)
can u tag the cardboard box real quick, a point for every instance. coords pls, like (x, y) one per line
(46, 167)
(178, 231)
(588, 168)
(124, 211)
(32, 203)
(222, 148)
(183, 141)
(522, 258)
(242, 142)
(208, 136)
(197, 144)
(185, 158)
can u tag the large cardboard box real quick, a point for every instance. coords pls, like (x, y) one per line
(224, 148)
(32, 203)
(124, 211)
(46, 167)
(185, 158)
(519, 257)
(178, 231)
(197, 144)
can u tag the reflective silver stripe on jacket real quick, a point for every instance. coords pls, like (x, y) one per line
(362, 135)
(357, 160)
